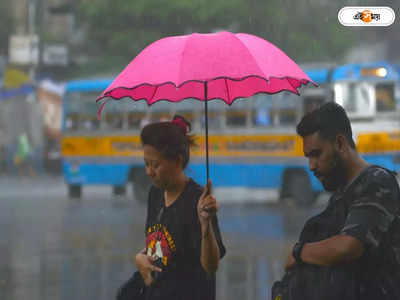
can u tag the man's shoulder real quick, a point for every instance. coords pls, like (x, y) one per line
(379, 175)
(376, 185)
(377, 171)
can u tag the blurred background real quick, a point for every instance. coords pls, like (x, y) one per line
(73, 188)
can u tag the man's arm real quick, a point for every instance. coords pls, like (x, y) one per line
(332, 251)
(369, 218)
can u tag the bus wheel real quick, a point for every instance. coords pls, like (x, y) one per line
(296, 188)
(119, 190)
(74, 191)
(141, 184)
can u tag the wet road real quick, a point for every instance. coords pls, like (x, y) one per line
(52, 247)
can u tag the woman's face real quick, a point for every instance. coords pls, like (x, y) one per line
(161, 170)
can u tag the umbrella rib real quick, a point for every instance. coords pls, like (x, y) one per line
(227, 90)
(252, 56)
(295, 88)
(154, 92)
(101, 109)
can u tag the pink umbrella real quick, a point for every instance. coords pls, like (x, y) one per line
(218, 65)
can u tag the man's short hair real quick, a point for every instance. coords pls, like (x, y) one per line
(329, 120)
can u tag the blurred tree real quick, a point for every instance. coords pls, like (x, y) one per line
(119, 29)
(6, 25)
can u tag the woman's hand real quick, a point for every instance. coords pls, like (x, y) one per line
(207, 206)
(144, 263)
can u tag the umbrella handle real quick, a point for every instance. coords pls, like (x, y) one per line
(206, 115)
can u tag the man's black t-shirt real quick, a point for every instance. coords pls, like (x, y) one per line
(368, 210)
(174, 234)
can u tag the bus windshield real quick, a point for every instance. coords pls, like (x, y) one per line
(80, 113)
(385, 97)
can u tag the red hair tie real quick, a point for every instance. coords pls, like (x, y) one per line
(180, 123)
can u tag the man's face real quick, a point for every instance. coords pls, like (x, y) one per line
(324, 161)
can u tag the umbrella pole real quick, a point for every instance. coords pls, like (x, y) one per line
(206, 114)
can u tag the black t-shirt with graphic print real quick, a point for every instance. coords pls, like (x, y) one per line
(174, 234)
(368, 210)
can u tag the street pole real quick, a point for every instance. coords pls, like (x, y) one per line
(35, 28)
(40, 16)
(31, 33)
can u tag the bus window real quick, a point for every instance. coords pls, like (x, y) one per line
(384, 93)
(214, 120)
(261, 117)
(81, 111)
(113, 121)
(275, 110)
(356, 98)
(216, 115)
(237, 114)
(124, 114)
(397, 95)
(72, 122)
(134, 120)
(89, 123)
(190, 116)
(261, 113)
(287, 116)
(157, 116)
(236, 118)
(312, 103)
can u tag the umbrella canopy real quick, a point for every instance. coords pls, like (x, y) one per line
(220, 65)
(234, 65)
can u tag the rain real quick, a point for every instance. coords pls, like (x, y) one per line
(73, 186)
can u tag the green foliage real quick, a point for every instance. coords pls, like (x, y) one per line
(121, 28)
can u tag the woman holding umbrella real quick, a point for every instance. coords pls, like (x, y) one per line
(183, 240)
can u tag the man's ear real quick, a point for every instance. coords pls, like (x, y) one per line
(341, 143)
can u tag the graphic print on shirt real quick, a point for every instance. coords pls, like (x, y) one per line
(160, 243)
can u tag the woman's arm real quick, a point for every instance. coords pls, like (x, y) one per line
(207, 209)
(209, 248)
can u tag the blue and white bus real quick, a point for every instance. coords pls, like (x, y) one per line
(252, 143)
